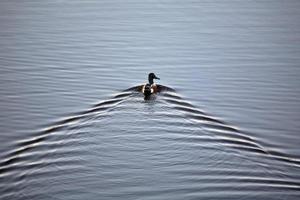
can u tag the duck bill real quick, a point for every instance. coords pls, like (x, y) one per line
(157, 78)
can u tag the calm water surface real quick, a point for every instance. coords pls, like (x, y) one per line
(69, 130)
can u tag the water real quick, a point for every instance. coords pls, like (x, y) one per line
(69, 130)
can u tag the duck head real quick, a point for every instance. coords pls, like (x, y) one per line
(152, 76)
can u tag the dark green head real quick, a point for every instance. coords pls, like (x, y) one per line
(152, 76)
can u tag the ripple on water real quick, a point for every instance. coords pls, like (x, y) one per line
(127, 147)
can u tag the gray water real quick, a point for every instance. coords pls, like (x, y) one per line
(71, 128)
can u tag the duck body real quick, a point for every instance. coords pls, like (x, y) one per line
(147, 90)
(150, 87)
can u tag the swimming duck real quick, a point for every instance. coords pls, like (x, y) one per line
(150, 87)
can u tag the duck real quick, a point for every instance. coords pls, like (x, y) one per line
(150, 87)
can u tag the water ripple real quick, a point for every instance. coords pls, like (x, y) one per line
(71, 147)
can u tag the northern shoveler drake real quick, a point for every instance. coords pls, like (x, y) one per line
(150, 87)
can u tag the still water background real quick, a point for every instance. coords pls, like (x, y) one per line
(232, 64)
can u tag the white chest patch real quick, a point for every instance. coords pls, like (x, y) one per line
(151, 88)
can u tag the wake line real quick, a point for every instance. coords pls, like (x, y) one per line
(226, 134)
(229, 135)
(29, 144)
